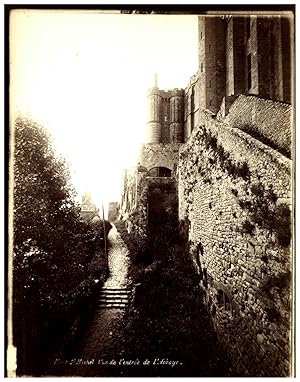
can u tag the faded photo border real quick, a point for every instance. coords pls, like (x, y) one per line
(192, 9)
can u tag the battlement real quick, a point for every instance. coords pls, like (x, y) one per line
(166, 93)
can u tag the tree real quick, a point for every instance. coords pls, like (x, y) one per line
(43, 195)
(53, 249)
(52, 245)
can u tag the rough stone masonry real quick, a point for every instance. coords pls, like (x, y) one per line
(235, 194)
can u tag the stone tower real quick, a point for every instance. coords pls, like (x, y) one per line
(248, 54)
(154, 126)
(165, 115)
(176, 116)
(212, 61)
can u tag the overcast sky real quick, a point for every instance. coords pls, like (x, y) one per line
(85, 76)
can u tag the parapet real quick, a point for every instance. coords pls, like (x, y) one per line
(166, 93)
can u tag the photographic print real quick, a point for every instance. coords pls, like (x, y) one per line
(151, 191)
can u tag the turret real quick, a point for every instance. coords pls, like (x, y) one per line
(154, 126)
(176, 113)
(165, 115)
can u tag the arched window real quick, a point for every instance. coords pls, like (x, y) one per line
(160, 172)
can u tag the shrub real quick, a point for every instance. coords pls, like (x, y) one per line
(243, 171)
(282, 224)
(264, 258)
(232, 168)
(257, 189)
(270, 195)
(221, 153)
(272, 313)
(247, 227)
(281, 281)
(245, 204)
(213, 142)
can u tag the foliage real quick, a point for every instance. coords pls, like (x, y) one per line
(51, 244)
(136, 256)
(257, 189)
(165, 319)
(279, 283)
(282, 224)
(53, 248)
(272, 313)
(232, 168)
(163, 214)
(247, 227)
(99, 229)
(43, 196)
(264, 212)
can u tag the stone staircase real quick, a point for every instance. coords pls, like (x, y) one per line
(114, 298)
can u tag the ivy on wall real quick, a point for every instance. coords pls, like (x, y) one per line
(266, 214)
(260, 203)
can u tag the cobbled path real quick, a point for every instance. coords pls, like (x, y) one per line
(102, 339)
(117, 261)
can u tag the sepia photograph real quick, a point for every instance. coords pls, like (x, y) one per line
(151, 172)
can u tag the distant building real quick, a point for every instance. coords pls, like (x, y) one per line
(88, 209)
(113, 211)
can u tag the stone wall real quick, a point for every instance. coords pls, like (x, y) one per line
(272, 120)
(287, 44)
(192, 104)
(129, 194)
(159, 155)
(235, 55)
(134, 204)
(136, 212)
(235, 195)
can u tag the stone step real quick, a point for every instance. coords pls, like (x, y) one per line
(112, 306)
(114, 298)
(119, 295)
(126, 297)
(113, 291)
(109, 300)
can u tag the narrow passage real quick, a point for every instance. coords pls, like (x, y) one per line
(101, 342)
(176, 341)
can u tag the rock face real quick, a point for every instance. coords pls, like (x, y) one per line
(235, 195)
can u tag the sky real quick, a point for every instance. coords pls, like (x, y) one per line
(85, 75)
